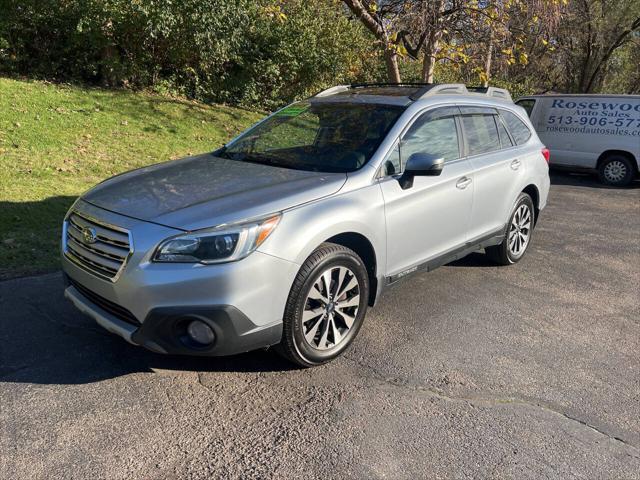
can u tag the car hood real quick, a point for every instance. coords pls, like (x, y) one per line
(205, 191)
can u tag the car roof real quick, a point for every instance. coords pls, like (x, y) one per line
(404, 94)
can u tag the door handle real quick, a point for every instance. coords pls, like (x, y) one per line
(515, 164)
(463, 183)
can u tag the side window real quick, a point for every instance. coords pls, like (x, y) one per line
(527, 104)
(433, 134)
(505, 140)
(519, 130)
(481, 133)
(392, 163)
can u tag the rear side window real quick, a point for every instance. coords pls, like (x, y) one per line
(519, 130)
(504, 136)
(481, 133)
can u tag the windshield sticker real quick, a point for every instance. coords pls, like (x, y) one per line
(293, 111)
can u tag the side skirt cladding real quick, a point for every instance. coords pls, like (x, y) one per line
(494, 238)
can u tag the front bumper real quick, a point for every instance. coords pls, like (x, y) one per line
(149, 303)
(163, 330)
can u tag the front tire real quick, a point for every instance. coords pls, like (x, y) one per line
(326, 306)
(518, 233)
(616, 170)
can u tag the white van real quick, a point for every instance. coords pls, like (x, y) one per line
(590, 132)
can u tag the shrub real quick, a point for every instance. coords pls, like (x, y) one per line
(251, 52)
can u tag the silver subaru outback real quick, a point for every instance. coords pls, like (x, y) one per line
(285, 236)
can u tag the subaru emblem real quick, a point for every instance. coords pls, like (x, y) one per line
(89, 235)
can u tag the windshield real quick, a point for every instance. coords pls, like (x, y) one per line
(324, 137)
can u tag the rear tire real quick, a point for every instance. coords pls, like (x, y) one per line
(518, 233)
(326, 306)
(616, 170)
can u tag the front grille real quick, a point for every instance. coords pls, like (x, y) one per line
(107, 305)
(106, 255)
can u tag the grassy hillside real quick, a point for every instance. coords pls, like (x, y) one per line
(58, 141)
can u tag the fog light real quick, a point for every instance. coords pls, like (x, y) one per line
(200, 332)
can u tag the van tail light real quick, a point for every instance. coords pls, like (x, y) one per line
(546, 154)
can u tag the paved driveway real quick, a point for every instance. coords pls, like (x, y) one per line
(471, 371)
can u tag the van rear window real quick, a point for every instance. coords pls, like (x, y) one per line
(519, 130)
(527, 104)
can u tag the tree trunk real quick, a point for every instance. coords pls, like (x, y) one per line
(391, 61)
(429, 60)
(432, 44)
(487, 63)
(375, 27)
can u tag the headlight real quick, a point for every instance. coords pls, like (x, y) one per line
(216, 245)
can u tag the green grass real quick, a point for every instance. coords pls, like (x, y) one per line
(58, 141)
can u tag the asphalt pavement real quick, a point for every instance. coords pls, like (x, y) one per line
(470, 371)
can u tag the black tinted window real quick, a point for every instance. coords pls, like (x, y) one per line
(481, 133)
(436, 136)
(392, 163)
(519, 131)
(318, 136)
(527, 105)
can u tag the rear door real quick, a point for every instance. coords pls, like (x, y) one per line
(432, 217)
(498, 170)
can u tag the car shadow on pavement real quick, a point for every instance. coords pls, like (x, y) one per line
(590, 180)
(97, 357)
(45, 340)
(476, 259)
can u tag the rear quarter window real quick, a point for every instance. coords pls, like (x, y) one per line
(519, 130)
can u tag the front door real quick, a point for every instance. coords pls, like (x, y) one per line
(432, 217)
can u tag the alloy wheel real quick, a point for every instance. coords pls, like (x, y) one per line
(330, 308)
(520, 230)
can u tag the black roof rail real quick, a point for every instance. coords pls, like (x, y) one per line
(424, 89)
(343, 88)
(386, 84)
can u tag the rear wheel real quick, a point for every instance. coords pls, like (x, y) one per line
(616, 170)
(326, 306)
(518, 233)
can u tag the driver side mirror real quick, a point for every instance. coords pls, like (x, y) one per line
(421, 164)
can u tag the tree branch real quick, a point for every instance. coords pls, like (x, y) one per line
(411, 50)
(635, 25)
(366, 18)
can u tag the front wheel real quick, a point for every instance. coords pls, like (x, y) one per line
(517, 235)
(616, 170)
(326, 306)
